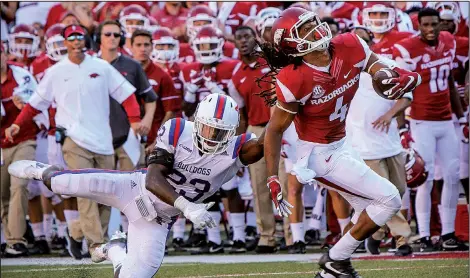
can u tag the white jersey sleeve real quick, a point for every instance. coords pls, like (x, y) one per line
(169, 134)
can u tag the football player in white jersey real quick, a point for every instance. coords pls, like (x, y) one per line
(190, 162)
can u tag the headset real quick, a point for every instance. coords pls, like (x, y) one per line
(122, 40)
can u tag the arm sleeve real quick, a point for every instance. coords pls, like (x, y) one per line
(169, 133)
(132, 109)
(144, 89)
(43, 96)
(119, 88)
(169, 96)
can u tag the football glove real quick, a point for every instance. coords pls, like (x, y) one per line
(197, 213)
(407, 81)
(405, 137)
(281, 205)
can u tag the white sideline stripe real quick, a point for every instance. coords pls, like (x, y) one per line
(106, 266)
(312, 272)
(202, 259)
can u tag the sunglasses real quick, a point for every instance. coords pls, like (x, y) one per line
(75, 37)
(108, 34)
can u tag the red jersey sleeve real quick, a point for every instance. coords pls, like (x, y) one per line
(169, 96)
(288, 88)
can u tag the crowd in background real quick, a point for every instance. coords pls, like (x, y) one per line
(169, 56)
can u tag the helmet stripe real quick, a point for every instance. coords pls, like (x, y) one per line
(220, 107)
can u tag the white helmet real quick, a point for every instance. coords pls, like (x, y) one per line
(265, 18)
(379, 25)
(215, 123)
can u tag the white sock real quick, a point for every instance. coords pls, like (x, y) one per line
(179, 227)
(117, 254)
(124, 223)
(70, 216)
(48, 221)
(2, 235)
(344, 248)
(251, 218)
(424, 222)
(61, 228)
(38, 229)
(447, 219)
(213, 234)
(298, 232)
(238, 222)
(423, 208)
(318, 209)
(343, 222)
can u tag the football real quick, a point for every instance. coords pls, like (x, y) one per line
(381, 75)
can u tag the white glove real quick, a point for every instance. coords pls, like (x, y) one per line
(213, 87)
(190, 90)
(197, 213)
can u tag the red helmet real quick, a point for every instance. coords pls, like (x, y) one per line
(285, 32)
(55, 48)
(23, 50)
(133, 12)
(153, 24)
(163, 36)
(416, 173)
(213, 37)
(379, 25)
(199, 13)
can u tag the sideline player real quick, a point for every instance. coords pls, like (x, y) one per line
(190, 162)
(319, 101)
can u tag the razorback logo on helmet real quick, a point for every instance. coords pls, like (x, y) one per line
(278, 36)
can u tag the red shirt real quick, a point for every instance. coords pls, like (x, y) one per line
(244, 81)
(385, 46)
(38, 68)
(165, 19)
(325, 97)
(186, 53)
(29, 130)
(431, 99)
(54, 15)
(168, 98)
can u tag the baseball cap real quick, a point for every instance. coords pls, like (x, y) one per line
(73, 29)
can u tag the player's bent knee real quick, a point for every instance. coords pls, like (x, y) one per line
(380, 211)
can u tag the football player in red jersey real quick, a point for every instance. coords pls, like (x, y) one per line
(431, 54)
(210, 73)
(448, 22)
(317, 101)
(198, 17)
(453, 8)
(23, 44)
(380, 19)
(132, 17)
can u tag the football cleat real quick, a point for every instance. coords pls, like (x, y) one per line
(372, 246)
(450, 242)
(100, 253)
(403, 250)
(27, 169)
(297, 248)
(339, 269)
(238, 247)
(209, 248)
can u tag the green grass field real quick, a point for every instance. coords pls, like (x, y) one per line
(454, 268)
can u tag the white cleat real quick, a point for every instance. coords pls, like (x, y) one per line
(100, 253)
(27, 169)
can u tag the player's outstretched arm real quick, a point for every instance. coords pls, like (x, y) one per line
(281, 118)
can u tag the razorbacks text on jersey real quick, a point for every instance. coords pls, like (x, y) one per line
(431, 100)
(325, 93)
(195, 176)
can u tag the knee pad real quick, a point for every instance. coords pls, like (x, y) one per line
(381, 210)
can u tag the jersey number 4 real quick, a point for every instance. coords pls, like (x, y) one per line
(340, 110)
(200, 186)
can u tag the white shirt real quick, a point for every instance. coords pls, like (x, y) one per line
(82, 93)
(32, 12)
(366, 107)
